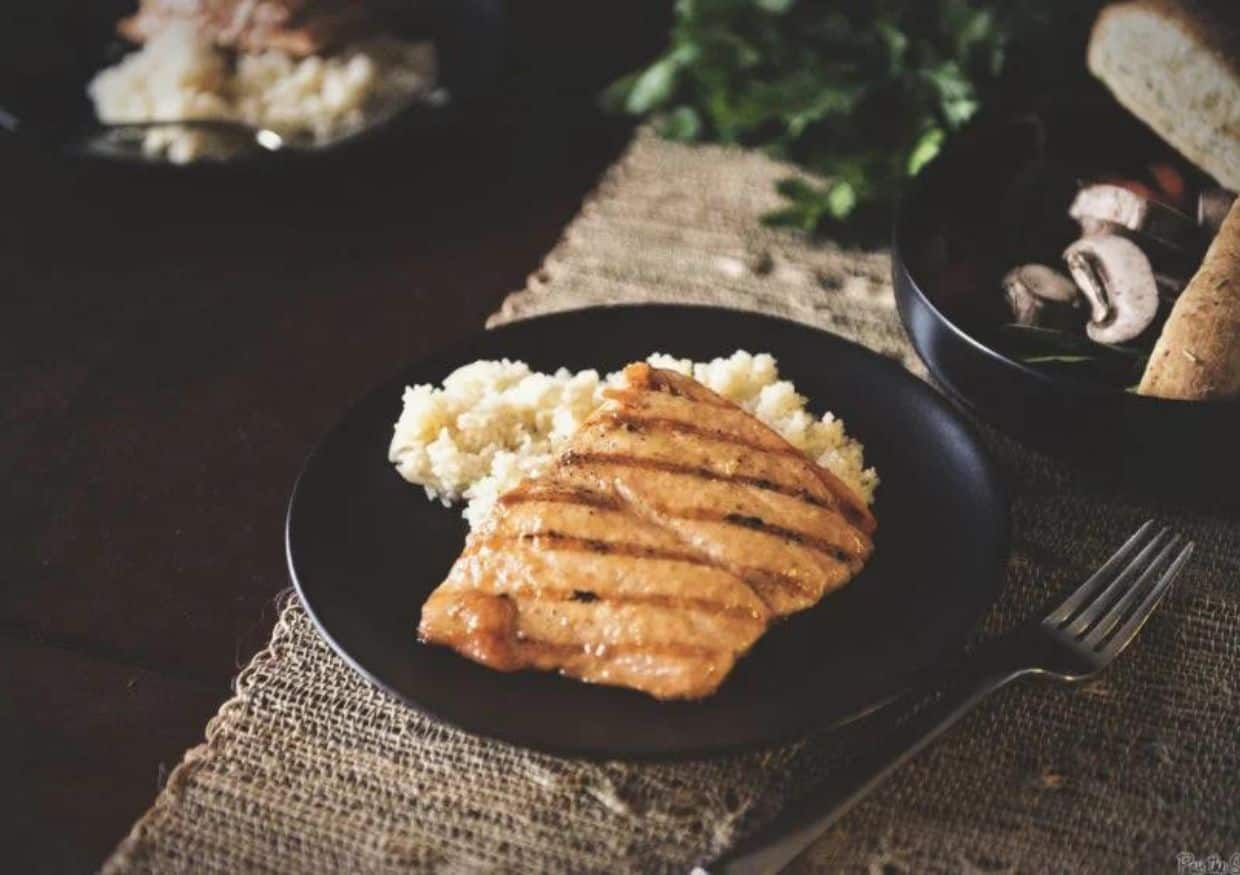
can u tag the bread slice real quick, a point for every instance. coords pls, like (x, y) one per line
(1197, 356)
(1175, 64)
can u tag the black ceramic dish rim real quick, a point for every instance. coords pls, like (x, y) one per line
(998, 561)
(427, 118)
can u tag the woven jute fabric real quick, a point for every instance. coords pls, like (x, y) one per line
(310, 769)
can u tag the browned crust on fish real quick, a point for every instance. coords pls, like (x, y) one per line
(656, 551)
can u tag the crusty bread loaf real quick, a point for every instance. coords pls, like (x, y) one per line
(1175, 64)
(1197, 356)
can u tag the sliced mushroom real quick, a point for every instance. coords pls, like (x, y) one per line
(1099, 208)
(1117, 280)
(1213, 205)
(1026, 307)
(1042, 296)
(1043, 282)
(1095, 227)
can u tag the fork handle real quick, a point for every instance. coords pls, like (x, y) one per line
(778, 844)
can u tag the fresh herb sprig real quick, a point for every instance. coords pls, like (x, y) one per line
(1054, 348)
(861, 93)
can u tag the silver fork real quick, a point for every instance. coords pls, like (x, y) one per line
(1075, 640)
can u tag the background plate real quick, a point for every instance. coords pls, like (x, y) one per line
(51, 50)
(365, 548)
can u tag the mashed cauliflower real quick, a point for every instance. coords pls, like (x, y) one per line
(494, 423)
(176, 76)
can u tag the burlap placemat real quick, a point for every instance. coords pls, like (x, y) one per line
(309, 768)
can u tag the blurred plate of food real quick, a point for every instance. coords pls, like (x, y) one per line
(231, 81)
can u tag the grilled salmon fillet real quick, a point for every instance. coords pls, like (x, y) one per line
(671, 530)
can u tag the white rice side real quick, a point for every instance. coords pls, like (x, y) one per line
(494, 423)
(177, 76)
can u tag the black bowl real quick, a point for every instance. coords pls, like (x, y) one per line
(961, 227)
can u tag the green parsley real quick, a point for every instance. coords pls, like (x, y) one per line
(862, 93)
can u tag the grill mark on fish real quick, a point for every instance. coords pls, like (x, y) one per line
(835, 551)
(756, 523)
(642, 423)
(559, 495)
(655, 381)
(667, 649)
(577, 457)
(585, 497)
(655, 600)
(552, 540)
(663, 387)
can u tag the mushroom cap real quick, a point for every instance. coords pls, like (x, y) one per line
(1041, 296)
(1043, 282)
(1117, 279)
(1026, 308)
(1101, 205)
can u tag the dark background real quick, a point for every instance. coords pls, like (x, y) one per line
(173, 345)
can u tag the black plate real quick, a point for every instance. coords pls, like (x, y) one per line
(365, 548)
(53, 49)
(959, 232)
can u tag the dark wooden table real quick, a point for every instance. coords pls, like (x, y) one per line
(172, 348)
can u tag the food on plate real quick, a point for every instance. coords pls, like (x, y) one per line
(1197, 357)
(1105, 208)
(493, 423)
(1119, 306)
(1175, 64)
(194, 68)
(297, 27)
(1098, 226)
(1105, 302)
(1040, 295)
(652, 552)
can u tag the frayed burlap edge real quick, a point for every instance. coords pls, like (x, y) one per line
(124, 857)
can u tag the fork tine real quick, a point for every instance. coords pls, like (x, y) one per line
(1116, 613)
(1103, 600)
(1070, 605)
(1130, 629)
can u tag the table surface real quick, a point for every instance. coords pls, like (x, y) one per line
(174, 347)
